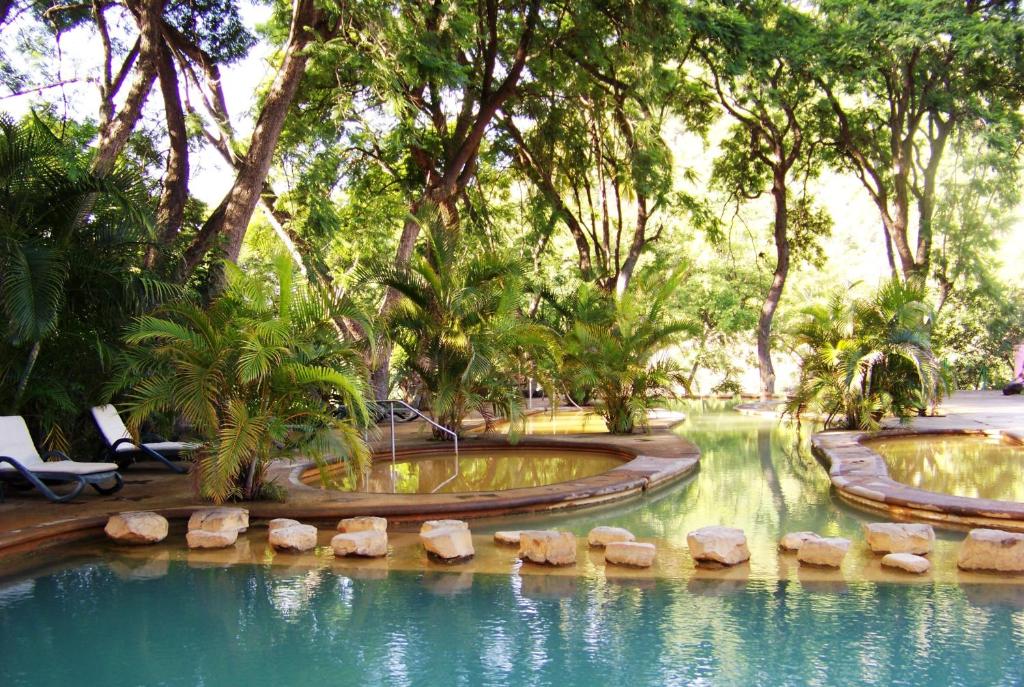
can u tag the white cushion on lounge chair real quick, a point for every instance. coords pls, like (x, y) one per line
(16, 442)
(110, 423)
(165, 446)
(68, 467)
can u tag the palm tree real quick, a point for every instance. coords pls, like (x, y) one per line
(70, 243)
(616, 346)
(251, 374)
(460, 325)
(866, 359)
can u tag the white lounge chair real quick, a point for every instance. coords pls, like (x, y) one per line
(123, 450)
(20, 462)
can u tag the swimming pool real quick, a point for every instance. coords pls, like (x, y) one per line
(192, 619)
(971, 466)
(250, 625)
(480, 469)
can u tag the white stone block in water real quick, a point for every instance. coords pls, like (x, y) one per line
(909, 562)
(369, 543)
(293, 538)
(986, 549)
(363, 523)
(442, 524)
(219, 520)
(448, 543)
(603, 535)
(633, 553)
(548, 546)
(794, 540)
(899, 537)
(137, 527)
(726, 545)
(278, 523)
(507, 537)
(201, 539)
(827, 551)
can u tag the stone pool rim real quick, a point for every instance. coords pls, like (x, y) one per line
(860, 475)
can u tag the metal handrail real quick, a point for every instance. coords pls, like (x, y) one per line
(391, 407)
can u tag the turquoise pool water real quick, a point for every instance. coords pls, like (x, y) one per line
(87, 624)
(250, 626)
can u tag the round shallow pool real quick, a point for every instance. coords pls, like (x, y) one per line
(971, 466)
(259, 625)
(479, 469)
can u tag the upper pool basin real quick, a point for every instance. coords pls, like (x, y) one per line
(971, 466)
(480, 469)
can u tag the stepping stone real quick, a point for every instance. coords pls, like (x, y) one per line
(603, 535)
(907, 561)
(448, 544)
(220, 520)
(726, 545)
(507, 537)
(369, 543)
(794, 540)
(899, 537)
(137, 527)
(293, 538)
(363, 523)
(202, 539)
(633, 553)
(828, 552)
(278, 523)
(986, 549)
(548, 546)
(442, 524)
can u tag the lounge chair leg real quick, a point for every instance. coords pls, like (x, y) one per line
(163, 459)
(106, 491)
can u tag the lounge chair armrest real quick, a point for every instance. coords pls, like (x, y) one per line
(127, 441)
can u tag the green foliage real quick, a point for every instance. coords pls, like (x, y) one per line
(70, 246)
(617, 345)
(251, 375)
(866, 359)
(459, 324)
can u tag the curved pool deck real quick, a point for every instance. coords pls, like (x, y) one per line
(650, 460)
(861, 477)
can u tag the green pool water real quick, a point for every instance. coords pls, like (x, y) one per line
(973, 466)
(83, 624)
(479, 470)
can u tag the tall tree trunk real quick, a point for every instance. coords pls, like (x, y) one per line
(771, 301)
(231, 219)
(171, 211)
(114, 135)
(926, 200)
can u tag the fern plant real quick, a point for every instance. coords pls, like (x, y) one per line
(251, 375)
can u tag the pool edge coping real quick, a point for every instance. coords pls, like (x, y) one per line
(860, 475)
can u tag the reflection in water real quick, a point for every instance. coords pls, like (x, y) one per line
(230, 627)
(755, 474)
(561, 422)
(970, 466)
(479, 470)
